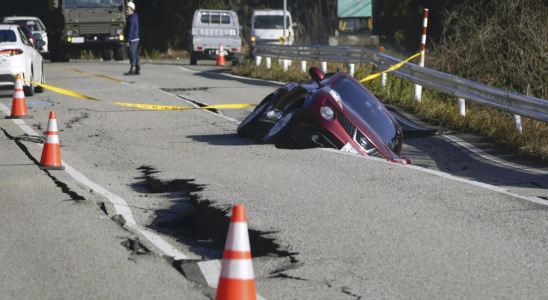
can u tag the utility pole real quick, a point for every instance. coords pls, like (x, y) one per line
(285, 22)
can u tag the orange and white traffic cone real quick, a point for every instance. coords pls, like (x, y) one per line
(19, 104)
(237, 281)
(221, 56)
(51, 154)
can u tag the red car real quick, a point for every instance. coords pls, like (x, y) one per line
(332, 112)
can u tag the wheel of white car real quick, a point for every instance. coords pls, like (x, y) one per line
(29, 90)
(40, 89)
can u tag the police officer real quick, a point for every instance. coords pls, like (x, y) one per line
(132, 34)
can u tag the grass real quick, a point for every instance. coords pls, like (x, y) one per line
(435, 108)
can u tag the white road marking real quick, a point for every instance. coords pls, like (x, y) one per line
(230, 75)
(493, 158)
(448, 176)
(120, 205)
(211, 270)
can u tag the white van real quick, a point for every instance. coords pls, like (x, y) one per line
(267, 27)
(210, 28)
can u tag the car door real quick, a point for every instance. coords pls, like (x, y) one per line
(34, 58)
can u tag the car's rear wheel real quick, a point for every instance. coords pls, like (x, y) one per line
(29, 90)
(54, 55)
(193, 58)
(40, 89)
(119, 53)
(280, 133)
(64, 55)
(107, 54)
(248, 128)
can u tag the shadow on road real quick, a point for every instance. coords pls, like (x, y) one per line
(216, 75)
(449, 157)
(229, 139)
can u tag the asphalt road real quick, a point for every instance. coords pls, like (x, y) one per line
(325, 225)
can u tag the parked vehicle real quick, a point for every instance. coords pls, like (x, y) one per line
(210, 28)
(19, 56)
(76, 25)
(267, 27)
(35, 25)
(334, 112)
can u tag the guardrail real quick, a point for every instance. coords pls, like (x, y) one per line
(517, 104)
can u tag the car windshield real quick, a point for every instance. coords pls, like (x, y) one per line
(269, 22)
(364, 105)
(32, 24)
(92, 3)
(7, 36)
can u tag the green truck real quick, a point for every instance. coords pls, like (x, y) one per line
(95, 25)
(355, 24)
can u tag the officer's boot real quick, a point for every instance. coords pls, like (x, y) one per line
(137, 69)
(131, 71)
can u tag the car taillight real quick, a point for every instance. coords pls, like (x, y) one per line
(11, 52)
(199, 48)
(234, 49)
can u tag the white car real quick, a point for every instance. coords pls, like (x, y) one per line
(35, 25)
(19, 56)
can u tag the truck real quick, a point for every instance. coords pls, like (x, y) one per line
(95, 25)
(267, 27)
(355, 24)
(210, 29)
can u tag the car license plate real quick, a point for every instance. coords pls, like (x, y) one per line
(77, 40)
(349, 148)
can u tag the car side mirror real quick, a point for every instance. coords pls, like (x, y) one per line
(39, 43)
(317, 75)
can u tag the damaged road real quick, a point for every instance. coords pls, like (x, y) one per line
(322, 225)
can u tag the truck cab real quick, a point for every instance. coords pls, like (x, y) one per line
(210, 29)
(267, 27)
(87, 25)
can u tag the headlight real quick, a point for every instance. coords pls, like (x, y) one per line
(69, 32)
(119, 31)
(336, 96)
(327, 113)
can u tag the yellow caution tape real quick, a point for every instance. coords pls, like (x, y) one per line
(135, 105)
(394, 67)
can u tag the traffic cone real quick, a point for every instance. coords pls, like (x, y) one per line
(237, 281)
(51, 154)
(221, 56)
(19, 104)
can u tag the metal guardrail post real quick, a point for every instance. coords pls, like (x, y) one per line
(418, 88)
(351, 69)
(517, 121)
(258, 60)
(384, 79)
(268, 63)
(285, 64)
(324, 66)
(462, 107)
(303, 66)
